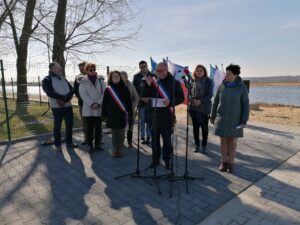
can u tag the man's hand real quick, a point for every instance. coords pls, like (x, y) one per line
(95, 106)
(145, 100)
(196, 102)
(166, 102)
(61, 103)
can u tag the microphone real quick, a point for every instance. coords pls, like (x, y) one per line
(186, 82)
(188, 74)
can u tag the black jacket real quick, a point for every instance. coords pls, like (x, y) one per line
(139, 83)
(115, 117)
(163, 116)
(76, 88)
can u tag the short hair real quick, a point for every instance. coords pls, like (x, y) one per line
(235, 69)
(162, 63)
(197, 67)
(142, 62)
(89, 65)
(82, 64)
(124, 73)
(51, 65)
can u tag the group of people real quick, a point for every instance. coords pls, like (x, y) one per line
(154, 97)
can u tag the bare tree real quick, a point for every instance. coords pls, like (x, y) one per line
(4, 10)
(21, 42)
(86, 27)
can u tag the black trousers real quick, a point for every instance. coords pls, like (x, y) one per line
(60, 114)
(94, 129)
(204, 129)
(165, 133)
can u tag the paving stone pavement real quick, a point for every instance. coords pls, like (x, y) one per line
(39, 186)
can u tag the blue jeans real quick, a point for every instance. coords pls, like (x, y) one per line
(143, 124)
(60, 114)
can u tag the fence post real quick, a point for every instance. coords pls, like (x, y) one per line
(5, 100)
(40, 90)
(12, 87)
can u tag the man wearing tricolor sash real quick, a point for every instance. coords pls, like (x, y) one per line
(165, 93)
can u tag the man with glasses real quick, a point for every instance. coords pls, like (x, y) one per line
(139, 83)
(60, 93)
(164, 94)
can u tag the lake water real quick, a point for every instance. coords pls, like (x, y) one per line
(272, 95)
(275, 95)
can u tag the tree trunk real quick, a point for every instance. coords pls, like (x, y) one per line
(22, 52)
(59, 41)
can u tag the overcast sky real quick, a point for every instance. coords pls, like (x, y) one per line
(263, 36)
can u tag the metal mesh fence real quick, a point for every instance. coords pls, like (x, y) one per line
(34, 117)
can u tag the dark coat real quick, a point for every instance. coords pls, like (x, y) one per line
(115, 117)
(202, 90)
(163, 116)
(230, 108)
(139, 83)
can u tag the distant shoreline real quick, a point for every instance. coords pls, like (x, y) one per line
(274, 84)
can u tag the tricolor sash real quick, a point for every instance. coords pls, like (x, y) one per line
(117, 100)
(161, 89)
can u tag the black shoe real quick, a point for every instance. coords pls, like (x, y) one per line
(153, 164)
(143, 141)
(204, 149)
(72, 145)
(197, 148)
(91, 150)
(167, 166)
(98, 148)
(147, 142)
(130, 145)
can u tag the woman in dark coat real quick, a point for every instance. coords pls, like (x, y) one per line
(230, 113)
(117, 109)
(200, 107)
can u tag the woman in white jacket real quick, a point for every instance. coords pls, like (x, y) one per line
(91, 90)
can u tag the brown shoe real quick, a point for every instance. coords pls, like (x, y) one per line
(230, 168)
(120, 154)
(223, 167)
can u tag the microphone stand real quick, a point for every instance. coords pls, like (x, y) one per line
(171, 177)
(137, 173)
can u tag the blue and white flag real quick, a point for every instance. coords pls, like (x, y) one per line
(217, 76)
(153, 65)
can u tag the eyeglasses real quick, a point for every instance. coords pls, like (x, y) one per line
(92, 70)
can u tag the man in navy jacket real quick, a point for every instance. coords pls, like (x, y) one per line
(60, 93)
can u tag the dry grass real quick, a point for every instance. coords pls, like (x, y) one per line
(261, 112)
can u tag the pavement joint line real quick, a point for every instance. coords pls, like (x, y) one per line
(253, 183)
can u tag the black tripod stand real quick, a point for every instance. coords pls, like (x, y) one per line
(186, 177)
(137, 173)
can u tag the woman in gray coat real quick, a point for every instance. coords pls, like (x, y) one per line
(202, 91)
(230, 113)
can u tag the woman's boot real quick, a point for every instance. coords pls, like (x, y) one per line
(223, 167)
